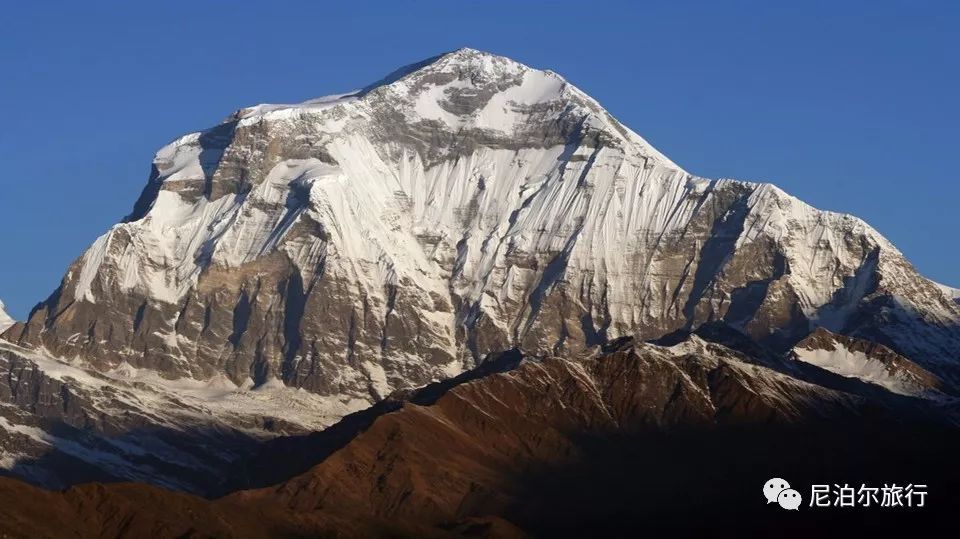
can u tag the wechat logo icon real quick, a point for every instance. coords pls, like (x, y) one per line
(778, 491)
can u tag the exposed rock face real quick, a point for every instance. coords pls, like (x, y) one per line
(361, 243)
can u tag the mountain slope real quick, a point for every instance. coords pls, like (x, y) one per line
(635, 438)
(5, 319)
(65, 423)
(360, 243)
(632, 439)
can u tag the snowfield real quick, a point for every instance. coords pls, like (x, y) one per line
(5, 319)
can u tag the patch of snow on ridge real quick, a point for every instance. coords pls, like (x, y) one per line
(949, 291)
(180, 160)
(855, 364)
(278, 111)
(5, 319)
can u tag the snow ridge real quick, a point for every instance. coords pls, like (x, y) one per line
(5, 319)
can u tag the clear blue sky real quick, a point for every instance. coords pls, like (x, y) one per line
(852, 106)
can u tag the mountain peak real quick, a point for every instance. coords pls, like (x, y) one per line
(462, 58)
(478, 59)
(468, 51)
(466, 64)
(468, 91)
(465, 71)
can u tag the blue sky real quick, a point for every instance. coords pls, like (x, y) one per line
(851, 106)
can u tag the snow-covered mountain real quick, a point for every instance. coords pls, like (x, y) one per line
(359, 243)
(297, 263)
(5, 319)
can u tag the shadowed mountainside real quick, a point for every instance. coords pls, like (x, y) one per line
(638, 439)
